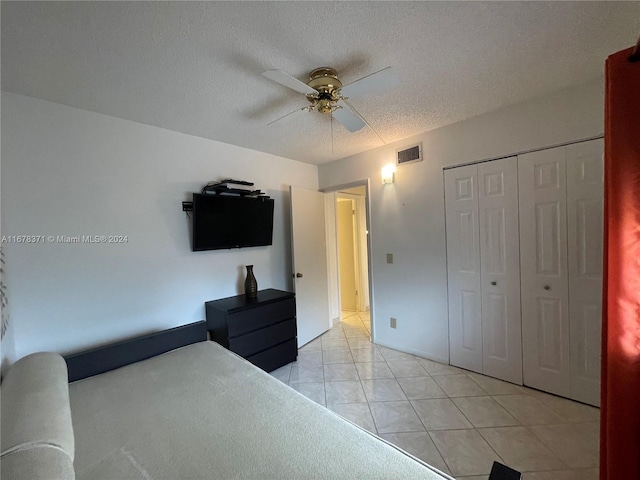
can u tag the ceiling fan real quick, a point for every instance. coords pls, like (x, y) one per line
(328, 96)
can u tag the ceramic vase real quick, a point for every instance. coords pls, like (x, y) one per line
(250, 284)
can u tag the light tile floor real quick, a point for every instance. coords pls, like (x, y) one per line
(453, 419)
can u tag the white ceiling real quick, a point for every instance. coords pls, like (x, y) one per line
(194, 67)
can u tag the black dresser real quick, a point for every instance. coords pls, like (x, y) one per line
(262, 330)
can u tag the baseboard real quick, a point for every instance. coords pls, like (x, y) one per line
(413, 351)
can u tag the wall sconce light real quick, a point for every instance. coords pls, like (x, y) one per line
(387, 173)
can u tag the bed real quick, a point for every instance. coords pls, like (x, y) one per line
(184, 409)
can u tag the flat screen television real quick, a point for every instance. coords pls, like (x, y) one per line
(231, 222)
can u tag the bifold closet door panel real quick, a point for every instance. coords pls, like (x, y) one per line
(500, 269)
(585, 220)
(463, 267)
(543, 264)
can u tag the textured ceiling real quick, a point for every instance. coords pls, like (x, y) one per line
(194, 67)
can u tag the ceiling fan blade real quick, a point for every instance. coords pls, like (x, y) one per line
(348, 118)
(377, 82)
(289, 116)
(357, 113)
(287, 80)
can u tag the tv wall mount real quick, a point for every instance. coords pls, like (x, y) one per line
(228, 188)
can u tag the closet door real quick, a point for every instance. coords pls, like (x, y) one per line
(463, 267)
(500, 269)
(543, 263)
(585, 220)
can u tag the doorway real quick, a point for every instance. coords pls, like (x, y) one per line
(352, 257)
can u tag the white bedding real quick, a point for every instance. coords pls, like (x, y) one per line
(202, 412)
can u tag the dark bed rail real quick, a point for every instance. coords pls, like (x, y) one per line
(109, 357)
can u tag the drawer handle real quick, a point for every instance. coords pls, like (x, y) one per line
(298, 275)
(547, 287)
(494, 283)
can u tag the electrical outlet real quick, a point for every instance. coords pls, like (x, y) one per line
(389, 257)
(393, 322)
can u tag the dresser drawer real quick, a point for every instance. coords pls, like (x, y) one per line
(277, 356)
(250, 319)
(258, 340)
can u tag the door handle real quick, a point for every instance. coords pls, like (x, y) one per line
(298, 275)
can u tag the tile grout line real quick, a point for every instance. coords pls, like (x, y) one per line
(440, 453)
(375, 425)
(471, 423)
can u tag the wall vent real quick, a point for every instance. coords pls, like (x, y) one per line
(409, 155)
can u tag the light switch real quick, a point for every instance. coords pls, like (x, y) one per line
(389, 257)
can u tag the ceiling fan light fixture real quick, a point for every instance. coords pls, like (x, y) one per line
(326, 105)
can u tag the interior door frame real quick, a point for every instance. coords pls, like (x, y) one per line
(367, 204)
(360, 229)
(357, 203)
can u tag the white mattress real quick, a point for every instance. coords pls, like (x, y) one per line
(202, 412)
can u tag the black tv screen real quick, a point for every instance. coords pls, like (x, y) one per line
(231, 222)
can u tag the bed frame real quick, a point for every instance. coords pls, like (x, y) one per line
(103, 359)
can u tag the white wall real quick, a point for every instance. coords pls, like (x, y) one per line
(407, 217)
(67, 171)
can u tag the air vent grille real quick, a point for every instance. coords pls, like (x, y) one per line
(409, 155)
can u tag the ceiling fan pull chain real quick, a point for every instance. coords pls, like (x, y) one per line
(332, 134)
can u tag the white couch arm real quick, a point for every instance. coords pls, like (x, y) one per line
(36, 419)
